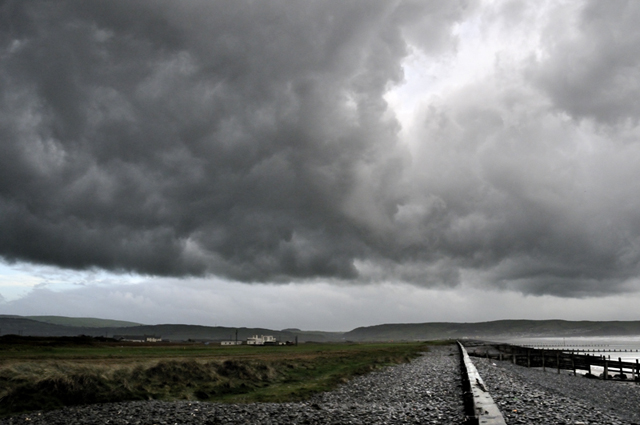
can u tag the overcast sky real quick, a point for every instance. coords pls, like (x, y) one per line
(320, 164)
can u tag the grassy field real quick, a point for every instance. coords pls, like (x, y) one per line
(40, 374)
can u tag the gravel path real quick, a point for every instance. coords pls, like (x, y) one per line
(531, 396)
(425, 391)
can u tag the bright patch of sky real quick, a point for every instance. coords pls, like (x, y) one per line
(17, 280)
(487, 43)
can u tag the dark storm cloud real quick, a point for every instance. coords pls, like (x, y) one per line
(234, 138)
(595, 72)
(253, 141)
(523, 199)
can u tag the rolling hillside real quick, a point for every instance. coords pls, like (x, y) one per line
(499, 328)
(83, 322)
(60, 326)
(27, 326)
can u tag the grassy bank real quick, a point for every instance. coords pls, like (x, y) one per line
(49, 375)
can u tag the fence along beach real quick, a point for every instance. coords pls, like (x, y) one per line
(618, 356)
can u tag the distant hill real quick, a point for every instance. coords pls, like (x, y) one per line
(84, 322)
(60, 326)
(495, 329)
(27, 326)
(18, 325)
(316, 336)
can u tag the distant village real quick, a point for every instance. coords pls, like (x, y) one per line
(252, 340)
(259, 340)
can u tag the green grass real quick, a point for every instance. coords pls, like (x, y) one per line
(52, 374)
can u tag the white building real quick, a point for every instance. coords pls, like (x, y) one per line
(231, 343)
(261, 340)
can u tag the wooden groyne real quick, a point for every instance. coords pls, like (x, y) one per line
(582, 349)
(559, 359)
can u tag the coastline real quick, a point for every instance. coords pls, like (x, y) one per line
(426, 390)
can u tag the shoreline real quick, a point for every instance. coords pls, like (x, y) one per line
(426, 390)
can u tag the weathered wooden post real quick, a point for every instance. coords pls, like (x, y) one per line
(620, 365)
(573, 363)
(637, 376)
(606, 369)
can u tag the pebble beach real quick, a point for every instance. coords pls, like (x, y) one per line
(533, 396)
